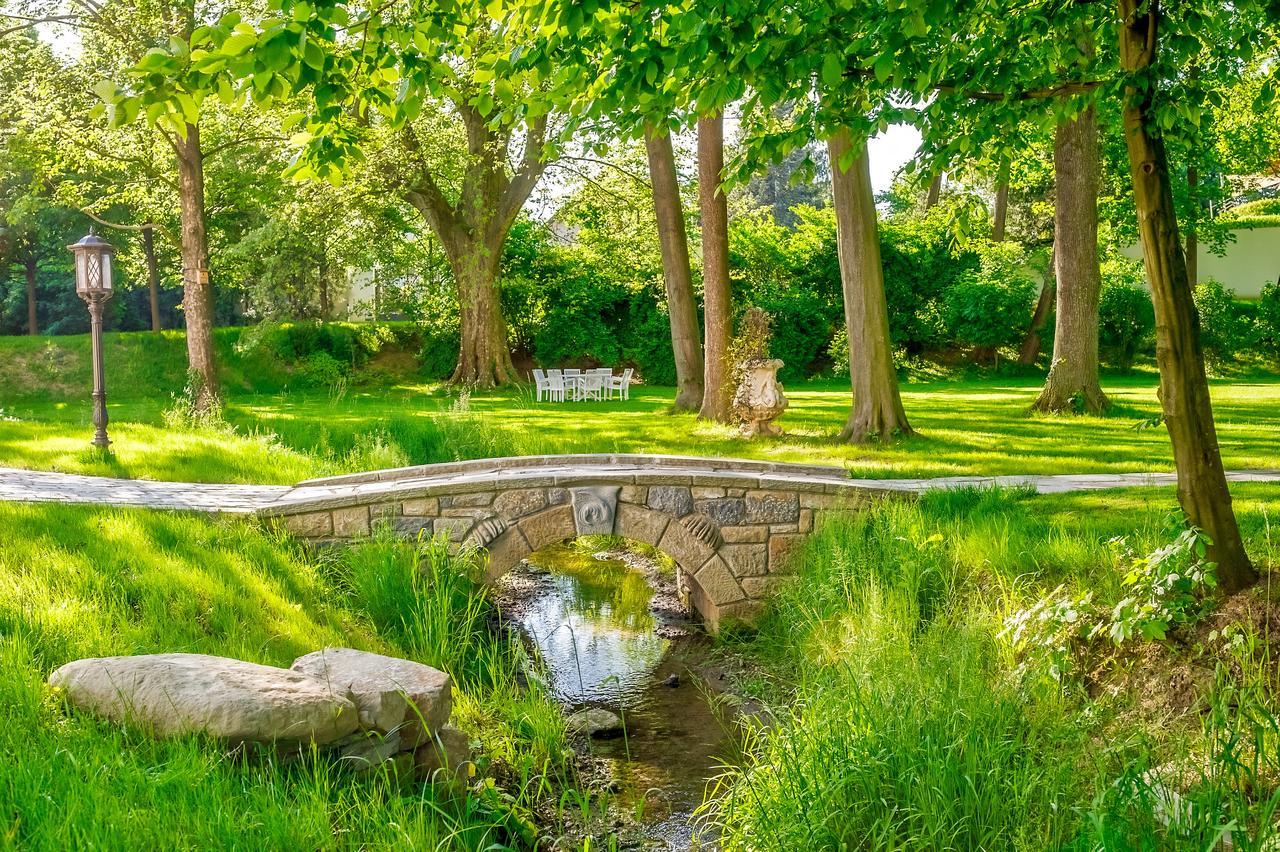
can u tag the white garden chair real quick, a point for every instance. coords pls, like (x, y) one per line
(621, 384)
(540, 382)
(573, 381)
(554, 386)
(593, 385)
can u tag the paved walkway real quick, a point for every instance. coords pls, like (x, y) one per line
(27, 486)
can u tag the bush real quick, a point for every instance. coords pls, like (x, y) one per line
(1224, 328)
(989, 307)
(1126, 317)
(320, 369)
(1267, 321)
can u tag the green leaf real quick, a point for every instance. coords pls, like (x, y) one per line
(832, 69)
(238, 44)
(884, 67)
(313, 55)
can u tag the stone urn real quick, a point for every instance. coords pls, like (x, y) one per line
(759, 399)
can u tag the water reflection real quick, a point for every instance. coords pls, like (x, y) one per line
(591, 621)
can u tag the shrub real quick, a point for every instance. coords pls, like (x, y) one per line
(1126, 317)
(320, 369)
(1267, 321)
(1224, 329)
(989, 307)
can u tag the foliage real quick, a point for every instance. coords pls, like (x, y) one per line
(1268, 320)
(1167, 588)
(1225, 332)
(989, 308)
(752, 344)
(1126, 317)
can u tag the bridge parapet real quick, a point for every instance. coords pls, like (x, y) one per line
(729, 525)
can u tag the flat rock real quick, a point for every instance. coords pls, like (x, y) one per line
(595, 722)
(390, 694)
(176, 694)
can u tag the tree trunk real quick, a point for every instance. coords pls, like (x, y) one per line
(197, 292)
(1031, 343)
(877, 405)
(1001, 213)
(484, 354)
(33, 327)
(685, 341)
(1193, 242)
(935, 192)
(326, 308)
(1073, 383)
(153, 274)
(1184, 390)
(717, 298)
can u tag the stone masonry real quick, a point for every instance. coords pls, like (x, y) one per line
(729, 525)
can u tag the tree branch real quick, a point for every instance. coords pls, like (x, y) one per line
(120, 226)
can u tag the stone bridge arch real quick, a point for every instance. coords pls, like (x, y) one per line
(729, 524)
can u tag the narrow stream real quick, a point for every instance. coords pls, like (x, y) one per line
(612, 635)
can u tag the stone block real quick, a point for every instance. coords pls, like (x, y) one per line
(640, 524)
(788, 529)
(746, 560)
(310, 524)
(762, 587)
(466, 512)
(772, 507)
(685, 547)
(725, 511)
(421, 507)
(505, 552)
(806, 520)
(350, 522)
(737, 535)
(634, 494)
(811, 500)
(741, 612)
(479, 498)
(735, 492)
(557, 496)
(702, 492)
(446, 758)
(548, 527)
(715, 579)
(675, 500)
(384, 512)
(521, 502)
(412, 528)
(780, 548)
(455, 528)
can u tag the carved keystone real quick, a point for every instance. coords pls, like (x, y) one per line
(594, 508)
(487, 530)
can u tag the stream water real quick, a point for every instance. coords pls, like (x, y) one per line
(610, 634)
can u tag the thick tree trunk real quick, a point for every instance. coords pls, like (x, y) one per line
(32, 269)
(1030, 350)
(877, 405)
(1073, 383)
(717, 298)
(484, 354)
(1184, 390)
(197, 292)
(935, 192)
(1193, 242)
(153, 274)
(685, 342)
(1001, 213)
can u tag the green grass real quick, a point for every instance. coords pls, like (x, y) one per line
(903, 724)
(79, 582)
(979, 427)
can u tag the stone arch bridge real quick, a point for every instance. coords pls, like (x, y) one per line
(728, 524)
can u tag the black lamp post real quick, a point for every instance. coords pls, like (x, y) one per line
(93, 284)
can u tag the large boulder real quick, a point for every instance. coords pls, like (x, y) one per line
(176, 694)
(445, 757)
(391, 694)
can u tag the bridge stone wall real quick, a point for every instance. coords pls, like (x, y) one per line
(729, 525)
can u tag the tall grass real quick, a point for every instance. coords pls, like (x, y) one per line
(80, 581)
(902, 724)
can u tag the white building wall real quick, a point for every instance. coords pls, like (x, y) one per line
(1249, 263)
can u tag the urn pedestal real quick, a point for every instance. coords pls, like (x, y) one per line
(759, 399)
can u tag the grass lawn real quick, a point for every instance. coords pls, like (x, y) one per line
(976, 427)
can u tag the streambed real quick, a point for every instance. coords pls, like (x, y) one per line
(610, 633)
